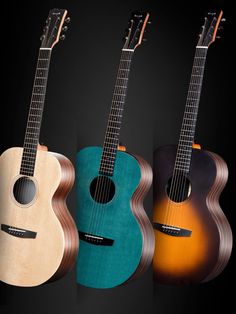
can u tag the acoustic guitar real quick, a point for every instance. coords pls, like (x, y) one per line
(116, 236)
(193, 237)
(38, 237)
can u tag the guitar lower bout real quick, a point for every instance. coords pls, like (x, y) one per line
(117, 239)
(38, 237)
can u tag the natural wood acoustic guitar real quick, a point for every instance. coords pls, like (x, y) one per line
(38, 237)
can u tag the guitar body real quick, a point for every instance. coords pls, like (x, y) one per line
(122, 242)
(200, 246)
(38, 240)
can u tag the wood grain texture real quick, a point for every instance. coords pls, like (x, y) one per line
(30, 262)
(143, 220)
(184, 260)
(109, 266)
(225, 233)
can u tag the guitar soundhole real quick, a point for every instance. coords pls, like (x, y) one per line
(102, 189)
(178, 188)
(24, 190)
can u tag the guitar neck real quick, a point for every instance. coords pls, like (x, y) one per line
(184, 151)
(116, 113)
(35, 113)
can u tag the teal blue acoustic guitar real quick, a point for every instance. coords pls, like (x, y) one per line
(116, 236)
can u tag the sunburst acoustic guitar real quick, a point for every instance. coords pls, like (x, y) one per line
(193, 237)
(38, 237)
(116, 236)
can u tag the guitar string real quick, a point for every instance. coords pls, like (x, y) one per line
(177, 173)
(117, 110)
(40, 99)
(26, 160)
(180, 173)
(98, 184)
(199, 65)
(121, 91)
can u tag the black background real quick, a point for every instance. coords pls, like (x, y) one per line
(80, 86)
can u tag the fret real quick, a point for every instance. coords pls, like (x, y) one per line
(31, 146)
(191, 119)
(184, 131)
(115, 115)
(184, 169)
(184, 136)
(35, 115)
(33, 127)
(182, 149)
(116, 94)
(106, 157)
(191, 106)
(185, 141)
(118, 101)
(113, 127)
(198, 66)
(38, 94)
(122, 78)
(120, 86)
(37, 101)
(181, 157)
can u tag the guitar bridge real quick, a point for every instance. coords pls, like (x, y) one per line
(172, 230)
(94, 239)
(18, 232)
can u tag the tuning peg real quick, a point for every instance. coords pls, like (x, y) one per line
(67, 20)
(65, 29)
(42, 37)
(144, 39)
(149, 22)
(223, 20)
(219, 37)
(62, 37)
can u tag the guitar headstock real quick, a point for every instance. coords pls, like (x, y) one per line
(54, 27)
(137, 25)
(210, 28)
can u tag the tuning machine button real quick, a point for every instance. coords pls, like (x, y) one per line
(67, 20)
(62, 37)
(65, 29)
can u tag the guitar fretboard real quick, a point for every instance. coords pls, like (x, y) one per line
(35, 114)
(115, 117)
(184, 151)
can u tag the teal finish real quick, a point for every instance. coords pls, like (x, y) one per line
(107, 266)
